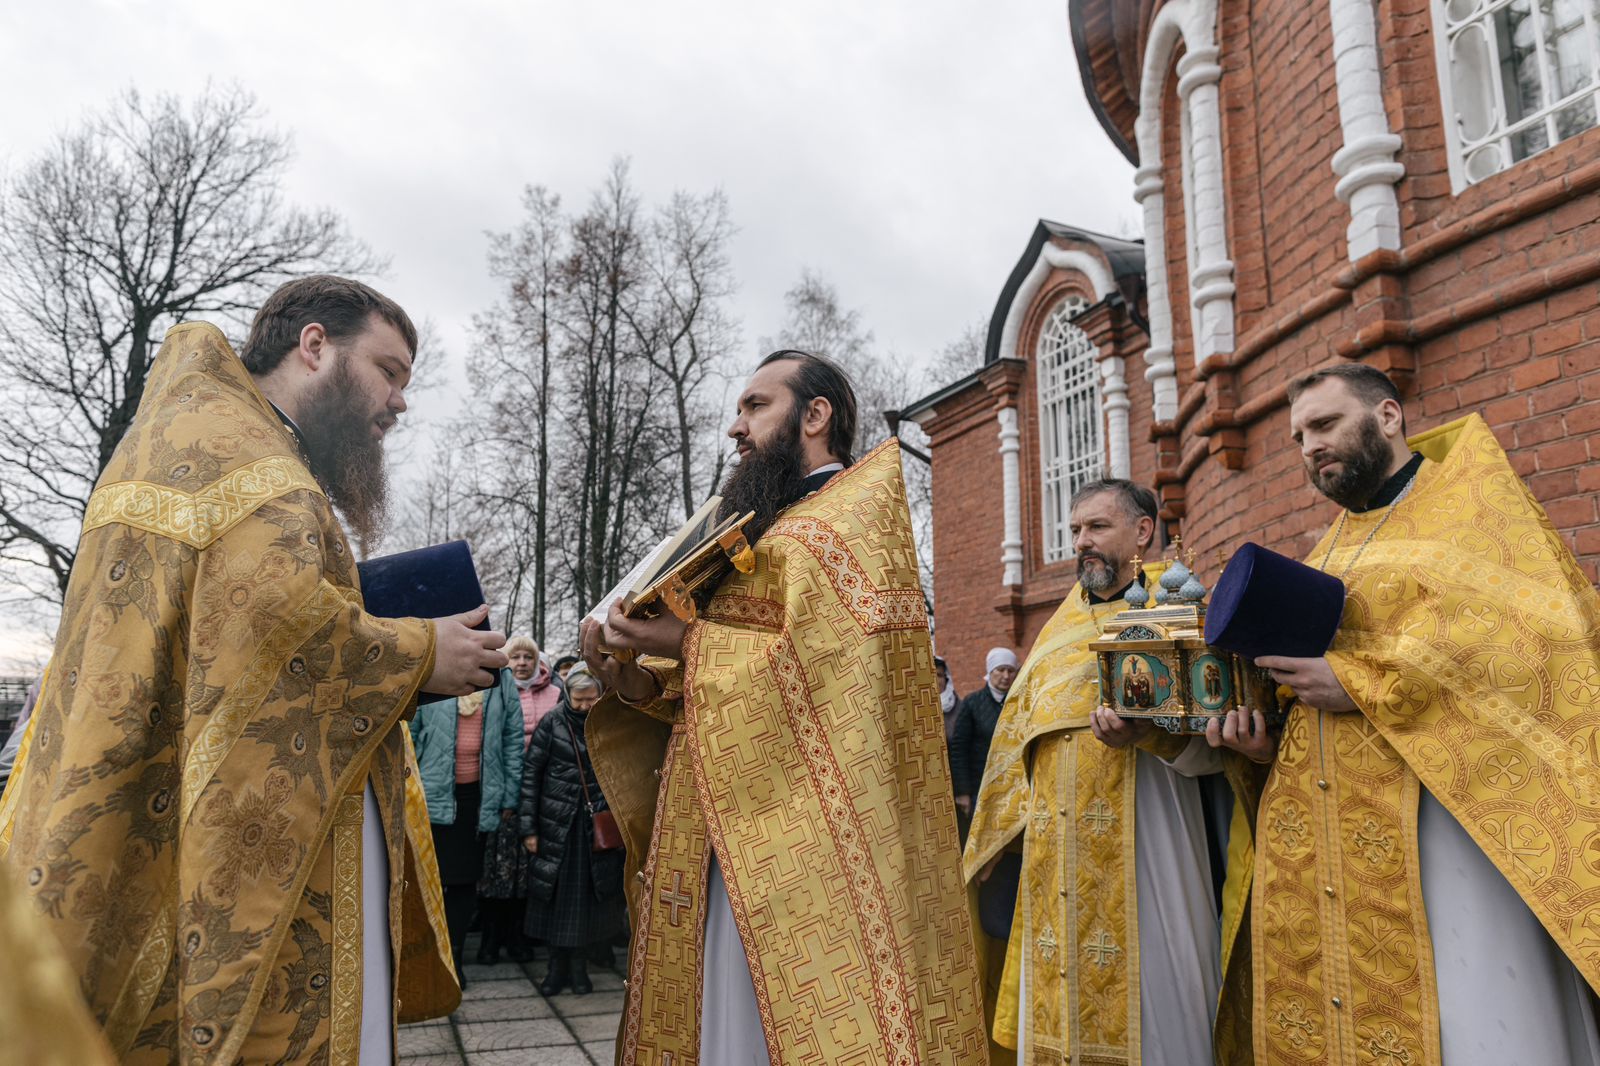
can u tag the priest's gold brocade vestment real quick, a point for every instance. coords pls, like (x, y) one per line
(1068, 801)
(42, 1018)
(807, 749)
(1471, 644)
(188, 817)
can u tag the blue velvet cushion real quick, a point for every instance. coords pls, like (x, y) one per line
(426, 583)
(1270, 604)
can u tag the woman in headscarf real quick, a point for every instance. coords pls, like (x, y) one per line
(574, 891)
(503, 892)
(975, 722)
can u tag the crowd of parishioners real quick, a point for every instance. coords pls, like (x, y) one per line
(512, 797)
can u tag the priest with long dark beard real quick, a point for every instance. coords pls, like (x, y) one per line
(217, 815)
(794, 865)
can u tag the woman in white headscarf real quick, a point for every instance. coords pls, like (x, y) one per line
(975, 722)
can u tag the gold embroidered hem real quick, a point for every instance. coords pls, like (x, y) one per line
(187, 817)
(1469, 643)
(1070, 811)
(808, 752)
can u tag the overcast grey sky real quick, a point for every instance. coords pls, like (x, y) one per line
(901, 149)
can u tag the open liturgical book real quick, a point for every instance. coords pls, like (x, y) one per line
(696, 556)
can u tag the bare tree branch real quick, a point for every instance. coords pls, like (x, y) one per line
(149, 214)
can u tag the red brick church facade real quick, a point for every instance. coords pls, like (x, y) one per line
(1305, 201)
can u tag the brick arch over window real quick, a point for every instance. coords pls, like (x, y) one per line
(1071, 445)
(1191, 24)
(1091, 277)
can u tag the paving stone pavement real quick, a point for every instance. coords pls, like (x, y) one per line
(504, 1021)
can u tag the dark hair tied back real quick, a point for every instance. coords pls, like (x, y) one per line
(819, 376)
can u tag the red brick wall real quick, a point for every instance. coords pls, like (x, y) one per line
(1531, 365)
(968, 525)
(1297, 232)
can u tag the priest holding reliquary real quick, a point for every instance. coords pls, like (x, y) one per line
(772, 747)
(1112, 946)
(1426, 879)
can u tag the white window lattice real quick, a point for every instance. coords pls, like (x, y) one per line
(1070, 445)
(1516, 77)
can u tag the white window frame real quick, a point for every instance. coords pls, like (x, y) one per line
(1499, 133)
(1071, 433)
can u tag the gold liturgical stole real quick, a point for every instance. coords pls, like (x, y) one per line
(187, 815)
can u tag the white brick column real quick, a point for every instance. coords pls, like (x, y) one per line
(1114, 404)
(1011, 496)
(1211, 274)
(1192, 23)
(1366, 165)
(1159, 368)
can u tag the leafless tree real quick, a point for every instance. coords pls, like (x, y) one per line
(595, 367)
(684, 329)
(449, 503)
(514, 372)
(620, 445)
(153, 212)
(817, 321)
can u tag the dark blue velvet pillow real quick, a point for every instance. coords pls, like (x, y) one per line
(427, 583)
(1269, 604)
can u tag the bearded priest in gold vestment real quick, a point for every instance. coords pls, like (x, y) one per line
(1115, 954)
(215, 813)
(794, 865)
(1427, 886)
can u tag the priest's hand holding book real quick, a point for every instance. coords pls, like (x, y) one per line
(661, 636)
(436, 582)
(649, 612)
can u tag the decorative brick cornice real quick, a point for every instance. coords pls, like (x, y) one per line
(1004, 379)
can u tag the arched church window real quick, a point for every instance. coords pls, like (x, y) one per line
(1516, 76)
(1070, 444)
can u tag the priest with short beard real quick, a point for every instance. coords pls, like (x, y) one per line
(794, 870)
(217, 811)
(1426, 873)
(1113, 951)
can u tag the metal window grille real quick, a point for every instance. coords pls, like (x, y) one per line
(1070, 445)
(1516, 76)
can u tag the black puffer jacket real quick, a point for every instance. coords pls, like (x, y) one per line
(552, 805)
(976, 719)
